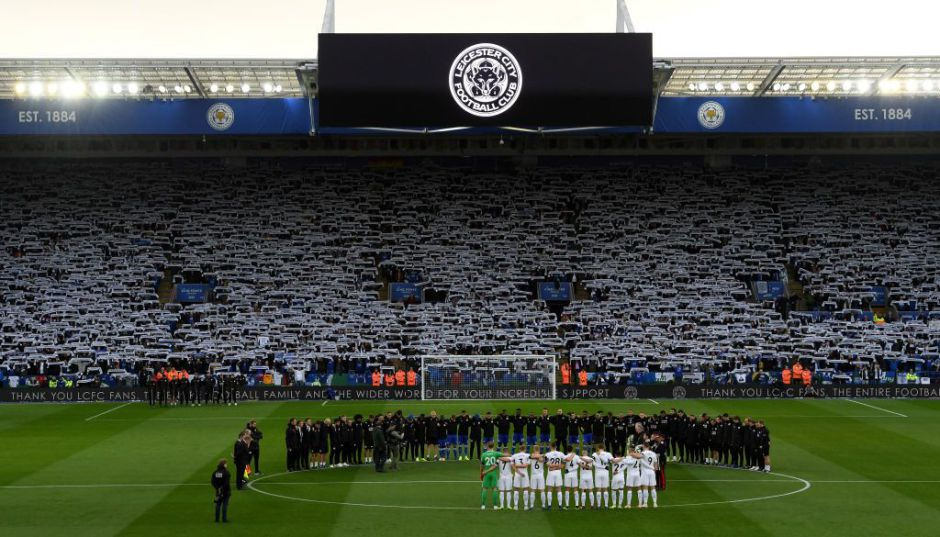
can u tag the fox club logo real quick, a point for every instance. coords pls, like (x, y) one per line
(711, 115)
(220, 116)
(485, 80)
(630, 392)
(678, 392)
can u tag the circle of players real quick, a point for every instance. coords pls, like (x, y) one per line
(639, 445)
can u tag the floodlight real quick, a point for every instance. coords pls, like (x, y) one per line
(831, 86)
(213, 88)
(229, 88)
(116, 88)
(735, 86)
(267, 87)
(35, 88)
(246, 88)
(132, 88)
(20, 88)
(101, 88)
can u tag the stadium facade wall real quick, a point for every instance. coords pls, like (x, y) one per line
(297, 116)
(309, 393)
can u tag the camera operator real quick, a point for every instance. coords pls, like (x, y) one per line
(379, 445)
(394, 439)
(221, 482)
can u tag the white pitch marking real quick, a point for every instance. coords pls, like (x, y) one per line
(109, 410)
(325, 401)
(103, 486)
(652, 401)
(877, 408)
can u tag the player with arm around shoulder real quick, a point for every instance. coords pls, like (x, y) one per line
(489, 473)
(634, 474)
(555, 462)
(649, 465)
(572, 467)
(504, 483)
(537, 463)
(520, 478)
(617, 480)
(602, 461)
(586, 481)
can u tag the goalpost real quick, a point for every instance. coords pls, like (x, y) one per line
(503, 376)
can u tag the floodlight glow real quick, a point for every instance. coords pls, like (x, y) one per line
(719, 86)
(927, 85)
(814, 86)
(267, 87)
(229, 88)
(101, 88)
(186, 88)
(35, 88)
(20, 88)
(133, 88)
(277, 88)
(911, 85)
(847, 85)
(161, 88)
(691, 86)
(777, 86)
(735, 86)
(802, 86)
(246, 88)
(213, 88)
(703, 86)
(831, 86)
(750, 86)
(72, 88)
(178, 89)
(786, 86)
(864, 86)
(52, 88)
(116, 88)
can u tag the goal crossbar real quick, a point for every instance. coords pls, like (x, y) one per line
(488, 376)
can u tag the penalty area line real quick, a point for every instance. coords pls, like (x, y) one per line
(109, 411)
(877, 408)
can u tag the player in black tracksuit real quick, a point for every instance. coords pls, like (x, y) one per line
(502, 429)
(358, 433)
(610, 432)
(476, 437)
(421, 426)
(560, 421)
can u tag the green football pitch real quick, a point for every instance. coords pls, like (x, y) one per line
(840, 467)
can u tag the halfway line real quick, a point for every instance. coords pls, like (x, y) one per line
(877, 408)
(108, 410)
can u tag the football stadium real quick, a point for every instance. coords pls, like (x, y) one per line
(489, 268)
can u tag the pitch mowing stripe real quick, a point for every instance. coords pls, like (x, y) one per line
(876, 407)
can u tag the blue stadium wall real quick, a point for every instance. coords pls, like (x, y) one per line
(297, 116)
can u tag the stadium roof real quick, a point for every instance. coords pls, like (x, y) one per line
(145, 79)
(276, 78)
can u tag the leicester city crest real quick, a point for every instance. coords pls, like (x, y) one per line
(711, 115)
(220, 116)
(485, 80)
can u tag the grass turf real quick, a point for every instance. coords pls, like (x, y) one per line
(126, 469)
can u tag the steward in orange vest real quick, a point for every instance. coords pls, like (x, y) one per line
(389, 380)
(786, 375)
(807, 377)
(582, 378)
(400, 378)
(565, 373)
(412, 377)
(376, 379)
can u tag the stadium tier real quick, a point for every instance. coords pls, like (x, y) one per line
(294, 276)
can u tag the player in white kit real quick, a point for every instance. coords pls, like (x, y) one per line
(537, 477)
(617, 481)
(504, 485)
(520, 478)
(586, 481)
(649, 465)
(572, 465)
(555, 461)
(602, 461)
(634, 474)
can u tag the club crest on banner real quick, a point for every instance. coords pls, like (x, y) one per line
(711, 115)
(485, 80)
(220, 116)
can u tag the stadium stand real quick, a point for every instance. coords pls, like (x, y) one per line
(679, 273)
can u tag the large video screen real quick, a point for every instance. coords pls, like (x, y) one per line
(448, 80)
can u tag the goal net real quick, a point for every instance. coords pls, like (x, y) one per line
(487, 377)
